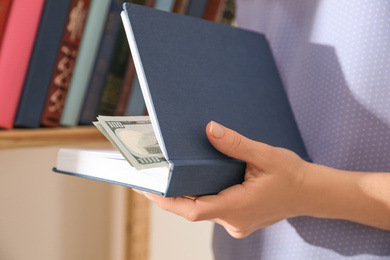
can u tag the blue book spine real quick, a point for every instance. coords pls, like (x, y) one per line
(196, 8)
(42, 62)
(102, 64)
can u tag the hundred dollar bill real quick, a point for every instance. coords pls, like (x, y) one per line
(134, 138)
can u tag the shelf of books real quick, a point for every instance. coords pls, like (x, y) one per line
(62, 63)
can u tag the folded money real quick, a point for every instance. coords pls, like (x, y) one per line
(134, 138)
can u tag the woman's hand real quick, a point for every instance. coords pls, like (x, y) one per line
(279, 184)
(268, 194)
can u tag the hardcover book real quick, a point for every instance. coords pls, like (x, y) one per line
(180, 6)
(193, 71)
(5, 7)
(127, 89)
(117, 70)
(89, 45)
(165, 5)
(214, 10)
(65, 61)
(196, 8)
(115, 76)
(103, 59)
(42, 63)
(15, 52)
(136, 104)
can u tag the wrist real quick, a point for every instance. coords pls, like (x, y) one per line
(325, 192)
(360, 197)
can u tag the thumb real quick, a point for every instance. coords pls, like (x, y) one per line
(232, 143)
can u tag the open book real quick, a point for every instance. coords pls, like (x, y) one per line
(191, 72)
(111, 166)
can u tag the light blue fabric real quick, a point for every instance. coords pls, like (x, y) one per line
(334, 59)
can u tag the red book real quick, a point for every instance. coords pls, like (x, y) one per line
(18, 42)
(180, 6)
(214, 10)
(64, 65)
(5, 7)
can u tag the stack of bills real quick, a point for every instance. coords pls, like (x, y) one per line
(134, 138)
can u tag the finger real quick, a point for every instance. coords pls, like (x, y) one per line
(234, 144)
(191, 197)
(242, 231)
(191, 208)
(138, 191)
(238, 235)
(232, 230)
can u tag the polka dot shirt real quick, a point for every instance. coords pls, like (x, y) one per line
(334, 60)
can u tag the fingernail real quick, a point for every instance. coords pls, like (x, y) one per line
(148, 196)
(216, 130)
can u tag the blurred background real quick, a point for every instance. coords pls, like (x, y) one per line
(49, 216)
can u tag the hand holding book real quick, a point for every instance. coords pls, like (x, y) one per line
(183, 90)
(279, 185)
(270, 192)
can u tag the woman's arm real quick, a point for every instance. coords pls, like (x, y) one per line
(362, 197)
(279, 184)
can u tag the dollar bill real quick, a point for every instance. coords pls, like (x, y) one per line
(134, 138)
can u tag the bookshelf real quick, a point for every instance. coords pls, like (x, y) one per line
(13, 143)
(24, 138)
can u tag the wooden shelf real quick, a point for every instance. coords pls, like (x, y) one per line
(22, 138)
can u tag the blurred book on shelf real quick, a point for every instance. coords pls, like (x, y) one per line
(61, 63)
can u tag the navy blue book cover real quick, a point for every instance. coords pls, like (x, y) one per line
(196, 8)
(197, 71)
(42, 63)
